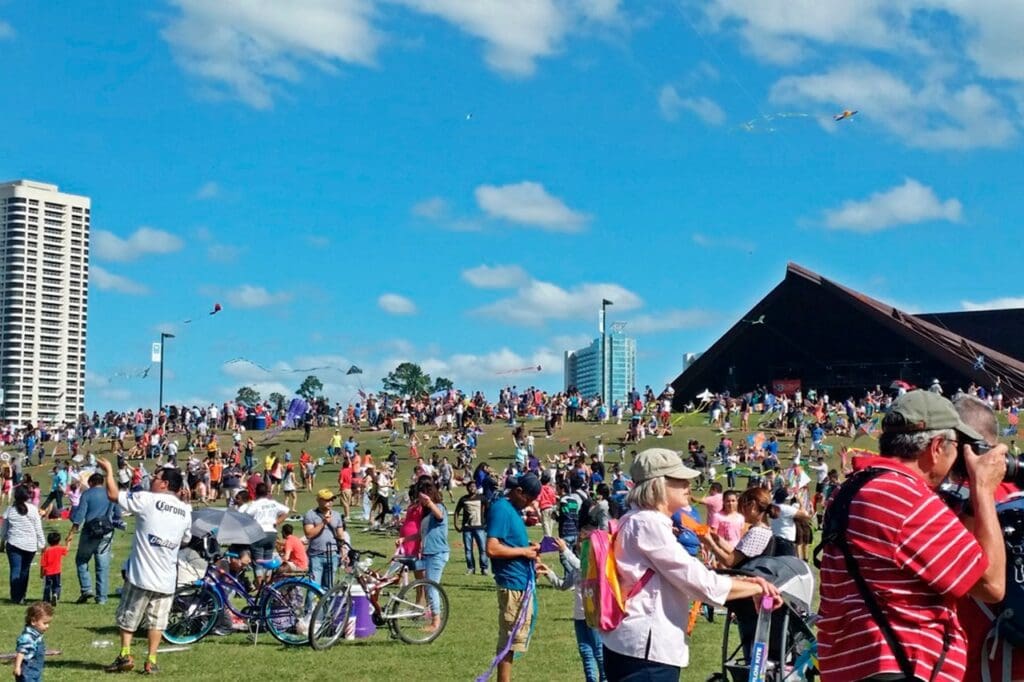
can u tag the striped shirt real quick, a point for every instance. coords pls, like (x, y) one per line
(917, 559)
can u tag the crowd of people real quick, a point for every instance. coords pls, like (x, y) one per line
(674, 526)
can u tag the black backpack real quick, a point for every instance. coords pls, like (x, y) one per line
(833, 532)
(1008, 615)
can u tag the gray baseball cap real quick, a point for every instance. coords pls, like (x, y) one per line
(925, 411)
(655, 462)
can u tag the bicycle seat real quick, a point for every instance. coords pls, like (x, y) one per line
(270, 564)
(407, 561)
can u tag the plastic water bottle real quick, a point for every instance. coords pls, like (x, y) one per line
(759, 649)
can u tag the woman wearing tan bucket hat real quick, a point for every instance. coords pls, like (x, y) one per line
(650, 642)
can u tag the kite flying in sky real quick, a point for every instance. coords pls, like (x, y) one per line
(845, 114)
(520, 370)
(216, 309)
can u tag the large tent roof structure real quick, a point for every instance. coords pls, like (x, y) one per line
(835, 339)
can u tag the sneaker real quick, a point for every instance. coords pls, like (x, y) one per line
(470, 571)
(485, 572)
(121, 664)
(150, 668)
(84, 599)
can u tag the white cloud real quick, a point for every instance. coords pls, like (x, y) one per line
(528, 203)
(145, 240)
(6, 31)
(778, 31)
(250, 47)
(496, 277)
(433, 208)
(536, 302)
(994, 304)
(396, 304)
(496, 367)
(932, 116)
(669, 320)
(905, 204)
(670, 102)
(209, 190)
(108, 281)
(516, 34)
(249, 296)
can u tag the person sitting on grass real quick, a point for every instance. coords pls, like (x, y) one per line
(293, 552)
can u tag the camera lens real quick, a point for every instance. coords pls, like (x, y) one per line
(1014, 470)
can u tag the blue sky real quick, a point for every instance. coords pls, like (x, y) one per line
(460, 182)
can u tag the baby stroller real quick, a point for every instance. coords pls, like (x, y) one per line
(792, 649)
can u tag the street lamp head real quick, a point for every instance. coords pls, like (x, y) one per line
(165, 335)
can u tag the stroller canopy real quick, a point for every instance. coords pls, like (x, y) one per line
(792, 576)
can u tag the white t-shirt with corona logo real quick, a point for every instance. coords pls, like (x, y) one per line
(162, 524)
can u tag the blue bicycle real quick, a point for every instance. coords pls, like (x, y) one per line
(281, 607)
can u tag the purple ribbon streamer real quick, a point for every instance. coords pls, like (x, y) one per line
(527, 603)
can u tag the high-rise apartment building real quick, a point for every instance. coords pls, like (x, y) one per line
(583, 368)
(44, 292)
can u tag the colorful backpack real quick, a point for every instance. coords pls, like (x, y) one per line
(604, 605)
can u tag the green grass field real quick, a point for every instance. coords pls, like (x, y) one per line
(461, 653)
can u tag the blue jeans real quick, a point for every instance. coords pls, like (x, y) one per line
(588, 640)
(433, 565)
(322, 568)
(100, 550)
(478, 536)
(21, 569)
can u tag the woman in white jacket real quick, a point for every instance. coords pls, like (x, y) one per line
(22, 536)
(650, 643)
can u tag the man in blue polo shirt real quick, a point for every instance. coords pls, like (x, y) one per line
(512, 560)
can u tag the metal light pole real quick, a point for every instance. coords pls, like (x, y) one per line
(605, 384)
(163, 336)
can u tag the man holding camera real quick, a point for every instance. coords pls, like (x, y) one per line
(1003, 661)
(890, 582)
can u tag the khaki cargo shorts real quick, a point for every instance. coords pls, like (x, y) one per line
(509, 604)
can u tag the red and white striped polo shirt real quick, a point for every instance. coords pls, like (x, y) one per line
(917, 559)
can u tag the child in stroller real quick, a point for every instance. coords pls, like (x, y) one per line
(792, 647)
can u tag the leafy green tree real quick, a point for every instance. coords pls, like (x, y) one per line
(247, 395)
(277, 400)
(310, 387)
(408, 378)
(442, 384)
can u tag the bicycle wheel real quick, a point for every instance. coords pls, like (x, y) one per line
(329, 618)
(194, 612)
(418, 614)
(287, 606)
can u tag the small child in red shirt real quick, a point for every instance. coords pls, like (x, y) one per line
(49, 567)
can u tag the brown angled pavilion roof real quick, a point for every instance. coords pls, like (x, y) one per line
(954, 349)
